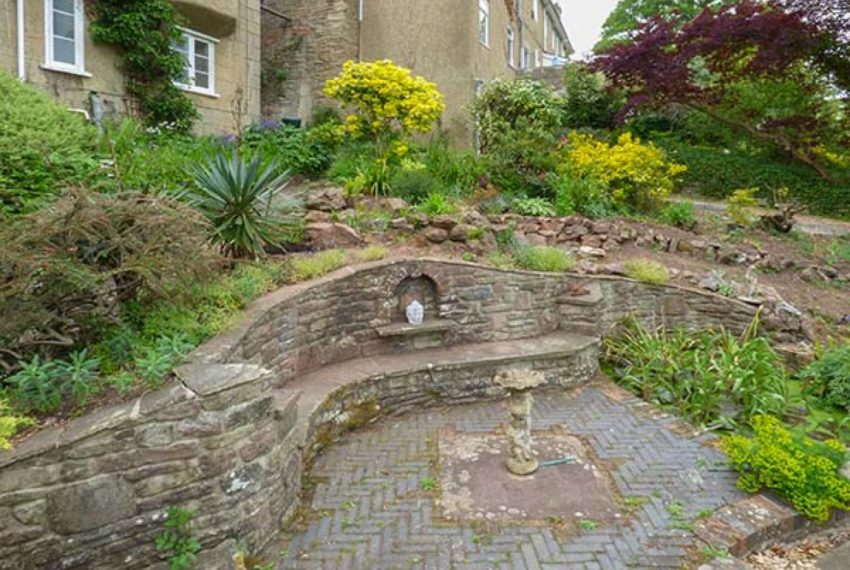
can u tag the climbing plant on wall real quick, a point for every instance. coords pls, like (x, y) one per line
(144, 31)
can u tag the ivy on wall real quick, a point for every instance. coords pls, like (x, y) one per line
(144, 31)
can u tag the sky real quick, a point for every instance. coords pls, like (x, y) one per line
(584, 19)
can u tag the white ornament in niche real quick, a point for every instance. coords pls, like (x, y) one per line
(415, 313)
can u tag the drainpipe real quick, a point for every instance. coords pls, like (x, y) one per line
(521, 34)
(361, 15)
(22, 69)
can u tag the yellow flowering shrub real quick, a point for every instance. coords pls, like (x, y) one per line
(384, 97)
(803, 471)
(635, 174)
(387, 103)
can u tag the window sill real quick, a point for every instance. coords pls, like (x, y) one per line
(210, 94)
(68, 70)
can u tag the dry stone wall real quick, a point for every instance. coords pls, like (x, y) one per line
(223, 440)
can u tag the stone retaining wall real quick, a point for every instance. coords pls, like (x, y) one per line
(221, 441)
(300, 328)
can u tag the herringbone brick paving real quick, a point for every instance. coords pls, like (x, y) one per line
(370, 512)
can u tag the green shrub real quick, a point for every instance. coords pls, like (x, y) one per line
(66, 270)
(542, 258)
(154, 162)
(244, 204)
(584, 195)
(711, 378)
(42, 385)
(828, 378)
(35, 387)
(309, 152)
(371, 253)
(589, 102)
(44, 148)
(415, 184)
(741, 206)
(533, 207)
(436, 204)
(802, 471)
(646, 271)
(717, 172)
(457, 170)
(519, 124)
(154, 363)
(679, 214)
(306, 267)
(351, 158)
(10, 424)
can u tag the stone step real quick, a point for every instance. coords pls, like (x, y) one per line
(343, 396)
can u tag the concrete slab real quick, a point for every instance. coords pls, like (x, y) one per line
(476, 485)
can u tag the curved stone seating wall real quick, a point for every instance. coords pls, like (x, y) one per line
(301, 328)
(228, 439)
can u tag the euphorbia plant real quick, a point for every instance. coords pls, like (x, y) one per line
(387, 104)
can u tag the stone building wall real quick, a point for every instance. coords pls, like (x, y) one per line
(227, 439)
(301, 53)
(437, 39)
(237, 61)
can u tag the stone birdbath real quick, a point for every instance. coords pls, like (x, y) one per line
(518, 384)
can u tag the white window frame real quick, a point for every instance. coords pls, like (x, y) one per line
(511, 46)
(535, 9)
(523, 57)
(192, 38)
(79, 67)
(484, 28)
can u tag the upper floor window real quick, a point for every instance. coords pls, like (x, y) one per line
(484, 21)
(198, 51)
(546, 29)
(510, 47)
(64, 33)
(535, 9)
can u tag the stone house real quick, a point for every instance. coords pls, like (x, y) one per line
(45, 42)
(458, 44)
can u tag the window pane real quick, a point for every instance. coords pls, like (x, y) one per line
(202, 48)
(64, 51)
(64, 5)
(202, 80)
(63, 25)
(202, 64)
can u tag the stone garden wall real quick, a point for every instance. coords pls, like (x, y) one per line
(298, 329)
(225, 440)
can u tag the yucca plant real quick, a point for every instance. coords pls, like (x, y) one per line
(242, 201)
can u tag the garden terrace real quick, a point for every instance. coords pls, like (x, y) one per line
(229, 438)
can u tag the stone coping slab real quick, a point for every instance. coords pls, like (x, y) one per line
(317, 387)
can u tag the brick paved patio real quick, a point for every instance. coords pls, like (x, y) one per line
(371, 510)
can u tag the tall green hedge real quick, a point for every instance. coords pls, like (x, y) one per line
(717, 173)
(43, 147)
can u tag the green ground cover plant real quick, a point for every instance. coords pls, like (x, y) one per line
(542, 258)
(801, 470)
(646, 271)
(711, 378)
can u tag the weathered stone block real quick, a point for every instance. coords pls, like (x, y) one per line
(90, 504)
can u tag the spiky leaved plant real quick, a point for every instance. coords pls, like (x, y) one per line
(241, 198)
